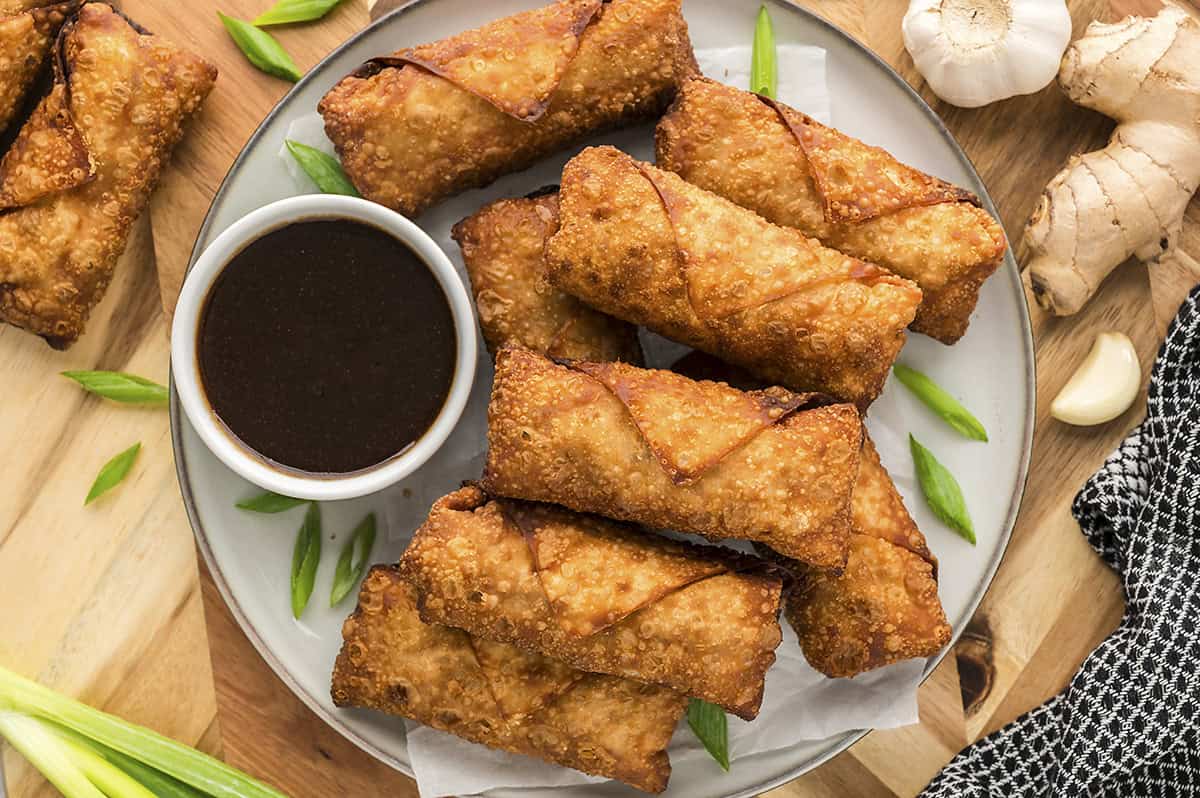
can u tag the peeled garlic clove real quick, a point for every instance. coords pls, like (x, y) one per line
(1104, 385)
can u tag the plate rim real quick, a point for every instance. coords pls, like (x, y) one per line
(848, 738)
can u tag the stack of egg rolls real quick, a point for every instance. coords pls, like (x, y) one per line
(83, 166)
(500, 695)
(658, 449)
(430, 121)
(502, 246)
(855, 198)
(525, 615)
(27, 31)
(599, 595)
(883, 607)
(645, 246)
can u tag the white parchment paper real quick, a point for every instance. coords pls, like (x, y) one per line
(799, 703)
(801, 74)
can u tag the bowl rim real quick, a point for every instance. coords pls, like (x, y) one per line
(224, 443)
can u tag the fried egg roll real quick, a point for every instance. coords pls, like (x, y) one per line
(659, 449)
(645, 246)
(83, 166)
(502, 246)
(14, 7)
(884, 607)
(498, 695)
(27, 32)
(855, 198)
(599, 595)
(430, 121)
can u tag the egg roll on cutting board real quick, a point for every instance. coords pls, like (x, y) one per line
(658, 449)
(645, 246)
(855, 198)
(498, 695)
(430, 121)
(884, 606)
(502, 245)
(600, 596)
(83, 166)
(27, 32)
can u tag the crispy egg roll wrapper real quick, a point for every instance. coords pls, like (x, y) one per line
(884, 606)
(498, 695)
(858, 199)
(601, 596)
(645, 246)
(83, 166)
(14, 7)
(502, 245)
(659, 449)
(432, 121)
(27, 32)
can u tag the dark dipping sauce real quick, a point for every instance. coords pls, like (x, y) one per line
(327, 346)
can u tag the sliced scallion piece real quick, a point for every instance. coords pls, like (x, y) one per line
(349, 567)
(285, 12)
(942, 492)
(269, 502)
(764, 71)
(112, 472)
(940, 402)
(711, 727)
(260, 48)
(306, 556)
(322, 168)
(120, 387)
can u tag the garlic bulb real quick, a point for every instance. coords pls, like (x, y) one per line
(974, 52)
(1104, 385)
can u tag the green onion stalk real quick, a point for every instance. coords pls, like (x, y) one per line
(86, 753)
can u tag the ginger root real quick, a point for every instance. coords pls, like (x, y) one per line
(1129, 198)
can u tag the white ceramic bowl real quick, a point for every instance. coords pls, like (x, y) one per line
(186, 372)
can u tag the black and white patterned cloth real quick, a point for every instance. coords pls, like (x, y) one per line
(1129, 723)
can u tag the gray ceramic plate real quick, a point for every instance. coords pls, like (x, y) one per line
(991, 369)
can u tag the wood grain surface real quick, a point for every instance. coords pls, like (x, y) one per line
(105, 602)
(102, 601)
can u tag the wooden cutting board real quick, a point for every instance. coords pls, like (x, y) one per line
(105, 602)
(102, 602)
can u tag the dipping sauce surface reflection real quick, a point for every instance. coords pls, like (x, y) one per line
(326, 346)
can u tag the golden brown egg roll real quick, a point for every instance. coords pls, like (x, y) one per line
(884, 606)
(498, 695)
(14, 7)
(858, 199)
(83, 166)
(599, 595)
(645, 246)
(656, 448)
(27, 32)
(502, 246)
(428, 122)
